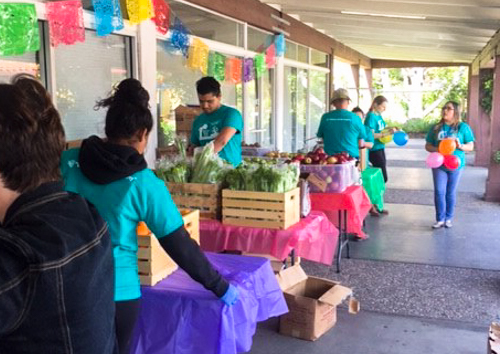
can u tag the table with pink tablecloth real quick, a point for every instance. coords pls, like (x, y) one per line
(313, 237)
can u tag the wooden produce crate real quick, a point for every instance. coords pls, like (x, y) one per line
(200, 196)
(153, 262)
(261, 209)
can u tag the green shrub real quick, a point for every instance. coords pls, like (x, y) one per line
(418, 125)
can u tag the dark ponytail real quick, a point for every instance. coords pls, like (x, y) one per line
(128, 113)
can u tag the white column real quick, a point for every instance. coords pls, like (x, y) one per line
(279, 96)
(146, 66)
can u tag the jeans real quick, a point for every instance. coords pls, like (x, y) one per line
(377, 159)
(445, 190)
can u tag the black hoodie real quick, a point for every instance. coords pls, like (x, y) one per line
(103, 162)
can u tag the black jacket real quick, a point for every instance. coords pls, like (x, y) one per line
(56, 276)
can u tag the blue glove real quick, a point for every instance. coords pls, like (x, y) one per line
(231, 296)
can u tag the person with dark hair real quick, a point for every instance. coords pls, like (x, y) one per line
(218, 123)
(340, 129)
(376, 123)
(56, 265)
(445, 180)
(113, 175)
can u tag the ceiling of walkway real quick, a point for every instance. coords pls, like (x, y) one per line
(415, 30)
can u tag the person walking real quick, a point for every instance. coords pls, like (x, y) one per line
(446, 180)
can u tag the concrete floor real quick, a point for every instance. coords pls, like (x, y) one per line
(465, 254)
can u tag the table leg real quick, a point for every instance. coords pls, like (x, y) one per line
(346, 234)
(292, 257)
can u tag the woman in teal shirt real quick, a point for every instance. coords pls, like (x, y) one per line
(112, 174)
(376, 123)
(445, 180)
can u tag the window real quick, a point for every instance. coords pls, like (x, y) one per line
(258, 41)
(86, 72)
(259, 119)
(176, 85)
(319, 58)
(207, 25)
(295, 112)
(26, 63)
(317, 100)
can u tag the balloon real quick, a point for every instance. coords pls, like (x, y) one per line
(434, 160)
(400, 138)
(447, 146)
(386, 139)
(451, 162)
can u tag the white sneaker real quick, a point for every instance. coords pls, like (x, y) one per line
(438, 225)
(448, 224)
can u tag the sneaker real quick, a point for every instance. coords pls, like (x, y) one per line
(438, 225)
(448, 224)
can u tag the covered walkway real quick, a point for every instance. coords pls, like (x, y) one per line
(420, 290)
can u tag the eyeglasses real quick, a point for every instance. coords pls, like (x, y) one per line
(448, 108)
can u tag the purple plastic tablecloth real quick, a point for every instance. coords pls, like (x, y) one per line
(178, 316)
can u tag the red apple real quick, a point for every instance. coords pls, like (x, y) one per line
(299, 157)
(323, 162)
(320, 150)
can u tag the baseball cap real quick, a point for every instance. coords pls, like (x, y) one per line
(339, 94)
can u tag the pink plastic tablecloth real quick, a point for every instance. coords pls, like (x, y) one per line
(313, 238)
(354, 199)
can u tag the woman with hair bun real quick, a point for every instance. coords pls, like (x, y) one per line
(113, 175)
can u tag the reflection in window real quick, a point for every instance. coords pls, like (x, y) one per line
(176, 85)
(207, 25)
(259, 120)
(295, 112)
(319, 58)
(258, 41)
(86, 72)
(28, 63)
(317, 100)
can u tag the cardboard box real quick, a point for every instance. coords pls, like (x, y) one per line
(312, 303)
(494, 339)
(184, 118)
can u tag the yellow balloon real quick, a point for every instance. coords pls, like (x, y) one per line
(386, 139)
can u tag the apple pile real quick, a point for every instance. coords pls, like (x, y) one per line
(319, 157)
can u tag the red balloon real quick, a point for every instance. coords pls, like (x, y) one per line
(451, 162)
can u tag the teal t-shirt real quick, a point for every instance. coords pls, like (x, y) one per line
(369, 138)
(206, 127)
(463, 133)
(123, 203)
(341, 130)
(376, 123)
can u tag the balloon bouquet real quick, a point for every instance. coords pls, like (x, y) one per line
(400, 137)
(444, 156)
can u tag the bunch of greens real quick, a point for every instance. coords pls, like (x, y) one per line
(208, 167)
(263, 178)
(176, 171)
(181, 143)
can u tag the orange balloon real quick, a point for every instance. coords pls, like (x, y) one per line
(447, 146)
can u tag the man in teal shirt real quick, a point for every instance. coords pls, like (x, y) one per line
(341, 129)
(218, 123)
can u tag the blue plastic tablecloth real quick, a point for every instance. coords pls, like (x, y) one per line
(178, 316)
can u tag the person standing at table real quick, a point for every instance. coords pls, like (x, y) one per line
(56, 261)
(445, 180)
(218, 123)
(340, 129)
(376, 124)
(113, 175)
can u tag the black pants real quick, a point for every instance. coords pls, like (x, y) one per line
(126, 316)
(377, 159)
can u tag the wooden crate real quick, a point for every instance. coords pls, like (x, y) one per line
(261, 209)
(203, 197)
(153, 262)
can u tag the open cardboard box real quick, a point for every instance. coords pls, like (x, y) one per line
(494, 339)
(312, 303)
